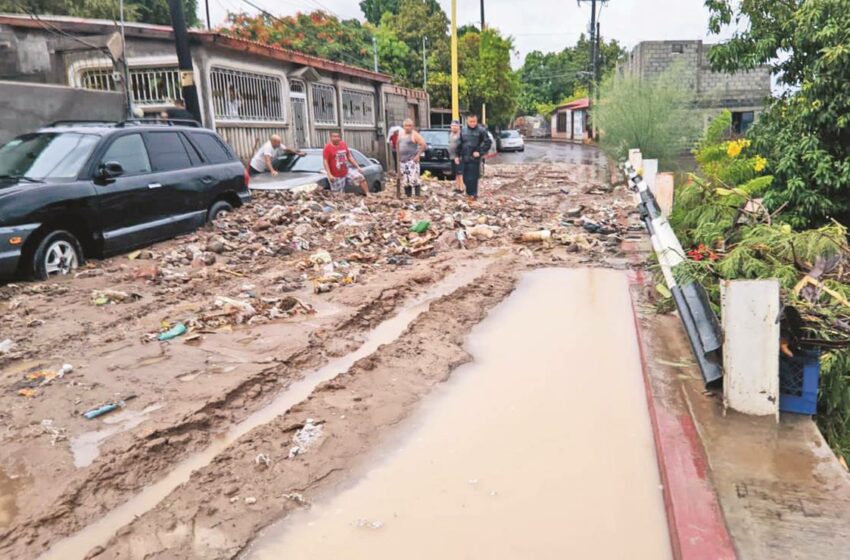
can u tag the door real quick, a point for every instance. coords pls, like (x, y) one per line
(181, 195)
(299, 120)
(130, 216)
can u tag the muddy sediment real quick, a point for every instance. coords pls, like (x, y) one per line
(200, 387)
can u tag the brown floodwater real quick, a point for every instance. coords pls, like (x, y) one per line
(541, 448)
(97, 533)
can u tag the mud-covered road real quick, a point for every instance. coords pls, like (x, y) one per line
(314, 325)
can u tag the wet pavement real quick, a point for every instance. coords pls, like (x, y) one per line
(540, 448)
(554, 152)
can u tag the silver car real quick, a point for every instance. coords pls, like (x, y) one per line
(298, 171)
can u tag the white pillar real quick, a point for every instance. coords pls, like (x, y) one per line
(650, 170)
(750, 312)
(664, 187)
(635, 159)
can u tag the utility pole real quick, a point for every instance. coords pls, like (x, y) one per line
(184, 58)
(375, 51)
(482, 15)
(455, 101)
(207, 6)
(125, 67)
(593, 49)
(424, 64)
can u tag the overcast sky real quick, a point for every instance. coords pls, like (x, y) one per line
(545, 25)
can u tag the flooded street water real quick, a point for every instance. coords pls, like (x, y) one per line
(99, 532)
(540, 448)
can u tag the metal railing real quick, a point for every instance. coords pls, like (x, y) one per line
(246, 96)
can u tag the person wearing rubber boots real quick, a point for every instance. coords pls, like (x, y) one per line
(411, 146)
(474, 144)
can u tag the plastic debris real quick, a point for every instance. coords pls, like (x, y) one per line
(106, 408)
(173, 332)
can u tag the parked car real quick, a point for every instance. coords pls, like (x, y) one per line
(78, 190)
(436, 159)
(296, 171)
(510, 141)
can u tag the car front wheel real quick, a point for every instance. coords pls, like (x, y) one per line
(58, 254)
(218, 210)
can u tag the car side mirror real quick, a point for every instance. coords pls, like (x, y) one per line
(110, 170)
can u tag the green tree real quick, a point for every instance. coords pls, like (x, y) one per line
(653, 115)
(144, 11)
(549, 78)
(484, 59)
(393, 54)
(440, 89)
(805, 132)
(417, 19)
(374, 10)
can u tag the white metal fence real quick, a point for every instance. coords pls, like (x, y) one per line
(324, 104)
(149, 86)
(358, 107)
(246, 96)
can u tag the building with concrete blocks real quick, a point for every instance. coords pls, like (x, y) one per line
(743, 93)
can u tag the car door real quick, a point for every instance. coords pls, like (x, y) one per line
(372, 172)
(182, 182)
(129, 214)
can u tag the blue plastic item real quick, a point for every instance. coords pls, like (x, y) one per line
(173, 332)
(100, 411)
(799, 378)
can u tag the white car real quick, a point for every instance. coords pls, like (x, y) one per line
(510, 141)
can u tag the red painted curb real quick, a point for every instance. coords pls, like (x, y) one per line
(694, 517)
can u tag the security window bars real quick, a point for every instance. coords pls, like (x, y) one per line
(149, 86)
(324, 104)
(246, 96)
(358, 107)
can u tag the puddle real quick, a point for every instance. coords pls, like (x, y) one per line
(97, 533)
(86, 446)
(9, 486)
(541, 448)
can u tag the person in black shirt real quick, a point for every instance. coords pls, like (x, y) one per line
(474, 144)
(179, 111)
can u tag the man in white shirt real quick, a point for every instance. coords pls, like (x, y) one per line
(263, 160)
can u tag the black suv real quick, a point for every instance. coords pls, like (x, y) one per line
(436, 158)
(76, 190)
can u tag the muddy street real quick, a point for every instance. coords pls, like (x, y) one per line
(265, 363)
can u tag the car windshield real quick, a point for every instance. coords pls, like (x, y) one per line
(311, 163)
(54, 155)
(509, 134)
(439, 137)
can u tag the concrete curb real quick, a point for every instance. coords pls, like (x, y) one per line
(694, 517)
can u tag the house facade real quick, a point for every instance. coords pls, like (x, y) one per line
(569, 121)
(247, 90)
(742, 93)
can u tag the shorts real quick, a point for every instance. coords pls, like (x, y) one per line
(457, 168)
(343, 184)
(410, 175)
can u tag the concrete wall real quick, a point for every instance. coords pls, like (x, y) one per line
(739, 91)
(27, 107)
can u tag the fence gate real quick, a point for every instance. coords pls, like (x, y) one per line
(298, 95)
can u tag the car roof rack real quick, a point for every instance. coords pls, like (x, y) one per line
(81, 122)
(159, 121)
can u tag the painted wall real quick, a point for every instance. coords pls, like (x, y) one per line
(27, 107)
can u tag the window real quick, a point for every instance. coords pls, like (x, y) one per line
(211, 147)
(246, 96)
(167, 151)
(437, 137)
(296, 86)
(358, 107)
(562, 121)
(361, 159)
(324, 104)
(131, 153)
(47, 155)
(742, 121)
(149, 86)
(678, 49)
